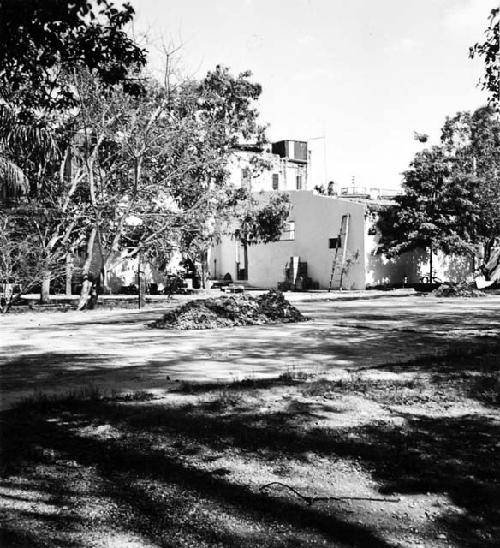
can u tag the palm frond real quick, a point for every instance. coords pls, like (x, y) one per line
(13, 182)
(16, 134)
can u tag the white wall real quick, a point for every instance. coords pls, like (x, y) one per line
(223, 258)
(414, 265)
(290, 170)
(317, 218)
(380, 270)
(266, 263)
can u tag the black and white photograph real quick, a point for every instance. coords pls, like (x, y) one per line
(249, 273)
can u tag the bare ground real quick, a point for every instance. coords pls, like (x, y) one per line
(57, 352)
(372, 447)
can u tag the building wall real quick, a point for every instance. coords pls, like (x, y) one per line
(285, 172)
(317, 219)
(413, 265)
(223, 258)
(380, 270)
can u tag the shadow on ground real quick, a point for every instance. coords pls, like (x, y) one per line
(119, 348)
(130, 469)
(142, 472)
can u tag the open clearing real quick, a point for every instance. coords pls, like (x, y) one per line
(376, 424)
(117, 350)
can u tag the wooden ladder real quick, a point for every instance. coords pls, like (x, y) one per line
(340, 254)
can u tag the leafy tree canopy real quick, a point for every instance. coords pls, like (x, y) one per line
(450, 196)
(263, 221)
(39, 39)
(489, 51)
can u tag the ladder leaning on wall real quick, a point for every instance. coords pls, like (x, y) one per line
(340, 254)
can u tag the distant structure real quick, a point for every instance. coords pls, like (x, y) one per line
(283, 166)
(331, 238)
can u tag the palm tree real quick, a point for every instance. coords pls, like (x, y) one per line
(33, 143)
(13, 183)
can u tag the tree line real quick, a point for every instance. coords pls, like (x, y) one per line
(101, 160)
(451, 192)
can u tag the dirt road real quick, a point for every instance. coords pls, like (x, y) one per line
(52, 352)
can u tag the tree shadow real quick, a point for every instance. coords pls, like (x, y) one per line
(12, 537)
(471, 366)
(458, 457)
(381, 269)
(241, 353)
(133, 468)
(454, 457)
(30, 371)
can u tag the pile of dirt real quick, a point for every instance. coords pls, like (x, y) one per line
(457, 290)
(231, 310)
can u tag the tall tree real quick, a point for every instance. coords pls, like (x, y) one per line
(427, 212)
(489, 50)
(39, 192)
(472, 140)
(155, 167)
(219, 113)
(450, 198)
(43, 43)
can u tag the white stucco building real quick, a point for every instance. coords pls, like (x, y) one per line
(324, 233)
(315, 221)
(314, 235)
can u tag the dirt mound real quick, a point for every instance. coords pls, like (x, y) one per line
(457, 290)
(229, 311)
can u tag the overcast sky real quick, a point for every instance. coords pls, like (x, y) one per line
(363, 74)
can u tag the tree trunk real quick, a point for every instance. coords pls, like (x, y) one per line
(430, 264)
(69, 273)
(86, 291)
(5, 305)
(45, 291)
(7, 302)
(488, 246)
(204, 269)
(85, 294)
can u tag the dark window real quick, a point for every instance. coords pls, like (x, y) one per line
(299, 182)
(241, 273)
(276, 181)
(333, 243)
(245, 177)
